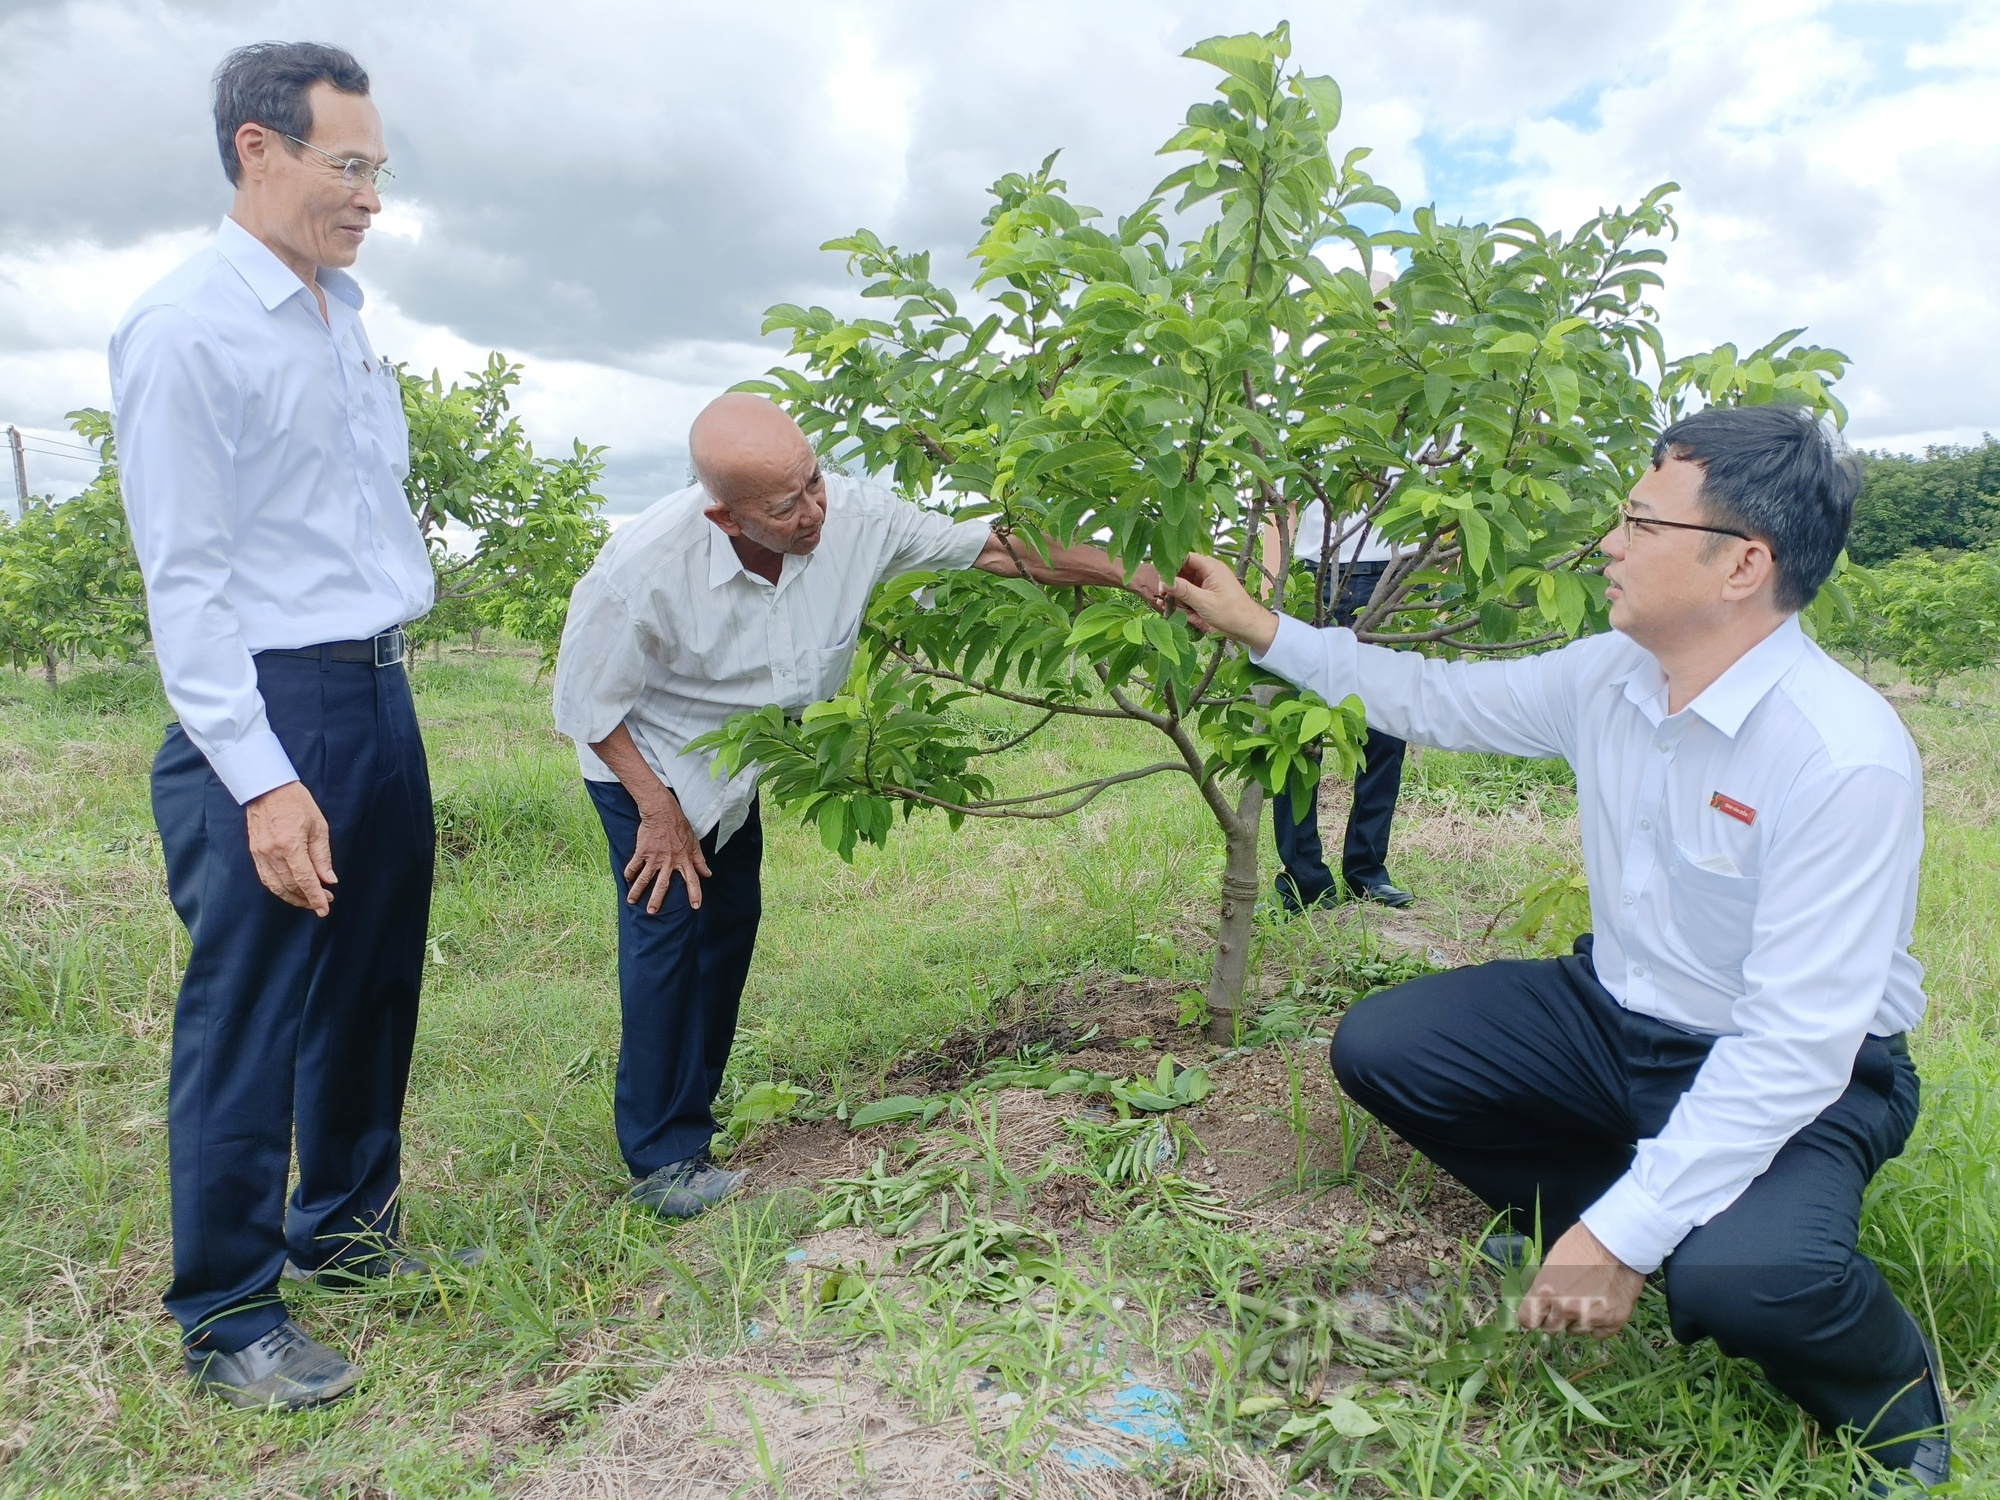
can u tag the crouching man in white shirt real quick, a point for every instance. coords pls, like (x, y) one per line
(743, 590)
(1710, 1085)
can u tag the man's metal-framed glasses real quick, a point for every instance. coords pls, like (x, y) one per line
(355, 171)
(1631, 520)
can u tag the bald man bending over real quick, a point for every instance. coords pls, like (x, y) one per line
(743, 590)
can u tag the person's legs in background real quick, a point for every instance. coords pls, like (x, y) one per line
(1303, 879)
(1364, 866)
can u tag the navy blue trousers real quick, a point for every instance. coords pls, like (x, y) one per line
(680, 980)
(293, 1031)
(1295, 812)
(1531, 1085)
(1364, 856)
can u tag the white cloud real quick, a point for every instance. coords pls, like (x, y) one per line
(613, 193)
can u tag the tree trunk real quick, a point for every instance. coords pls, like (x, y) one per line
(1239, 904)
(49, 665)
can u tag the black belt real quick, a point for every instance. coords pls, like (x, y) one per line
(384, 650)
(1364, 568)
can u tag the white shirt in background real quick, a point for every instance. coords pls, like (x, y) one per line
(1366, 544)
(669, 635)
(261, 451)
(1752, 863)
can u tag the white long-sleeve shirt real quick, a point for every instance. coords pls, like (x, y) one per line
(669, 635)
(1364, 544)
(1752, 863)
(261, 451)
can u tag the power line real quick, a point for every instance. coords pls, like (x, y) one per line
(28, 446)
(58, 442)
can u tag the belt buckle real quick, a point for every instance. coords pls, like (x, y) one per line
(389, 648)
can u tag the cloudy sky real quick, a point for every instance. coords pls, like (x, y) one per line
(613, 190)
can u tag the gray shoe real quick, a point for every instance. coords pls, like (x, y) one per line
(391, 1266)
(1510, 1252)
(284, 1369)
(682, 1189)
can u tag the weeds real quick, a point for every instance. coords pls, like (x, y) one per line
(581, 1302)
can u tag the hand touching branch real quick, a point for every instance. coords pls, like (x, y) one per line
(1207, 589)
(1011, 556)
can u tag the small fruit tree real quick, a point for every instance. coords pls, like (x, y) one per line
(532, 521)
(1486, 409)
(69, 585)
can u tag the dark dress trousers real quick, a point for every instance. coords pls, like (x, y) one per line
(291, 1029)
(1295, 812)
(680, 980)
(1531, 1085)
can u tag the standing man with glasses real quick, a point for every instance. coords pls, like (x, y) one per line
(262, 451)
(1705, 1087)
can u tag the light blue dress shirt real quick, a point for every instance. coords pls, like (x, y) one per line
(262, 451)
(1752, 862)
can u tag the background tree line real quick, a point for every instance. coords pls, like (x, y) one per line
(509, 532)
(1924, 593)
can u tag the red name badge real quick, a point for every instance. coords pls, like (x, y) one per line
(1729, 807)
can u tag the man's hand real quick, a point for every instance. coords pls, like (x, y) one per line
(1010, 556)
(1208, 590)
(667, 844)
(1581, 1288)
(1148, 585)
(290, 846)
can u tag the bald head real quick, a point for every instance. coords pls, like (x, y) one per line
(745, 446)
(759, 471)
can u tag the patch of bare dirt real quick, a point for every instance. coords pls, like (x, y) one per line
(814, 1424)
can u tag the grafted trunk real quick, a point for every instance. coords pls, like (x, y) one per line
(49, 664)
(1239, 904)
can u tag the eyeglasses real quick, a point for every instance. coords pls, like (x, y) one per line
(1631, 520)
(355, 171)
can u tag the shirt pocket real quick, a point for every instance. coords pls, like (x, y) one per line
(392, 427)
(1716, 913)
(828, 666)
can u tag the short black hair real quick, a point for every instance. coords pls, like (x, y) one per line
(266, 84)
(1776, 473)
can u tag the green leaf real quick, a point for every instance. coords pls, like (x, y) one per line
(884, 1111)
(1348, 1418)
(1478, 537)
(1323, 94)
(1579, 1403)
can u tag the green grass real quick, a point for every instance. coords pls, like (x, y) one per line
(509, 1141)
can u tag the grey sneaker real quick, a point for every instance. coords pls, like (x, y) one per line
(1510, 1252)
(682, 1189)
(391, 1266)
(284, 1369)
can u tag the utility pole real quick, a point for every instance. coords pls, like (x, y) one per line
(20, 472)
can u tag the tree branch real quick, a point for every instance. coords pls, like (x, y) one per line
(1025, 734)
(1018, 807)
(991, 691)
